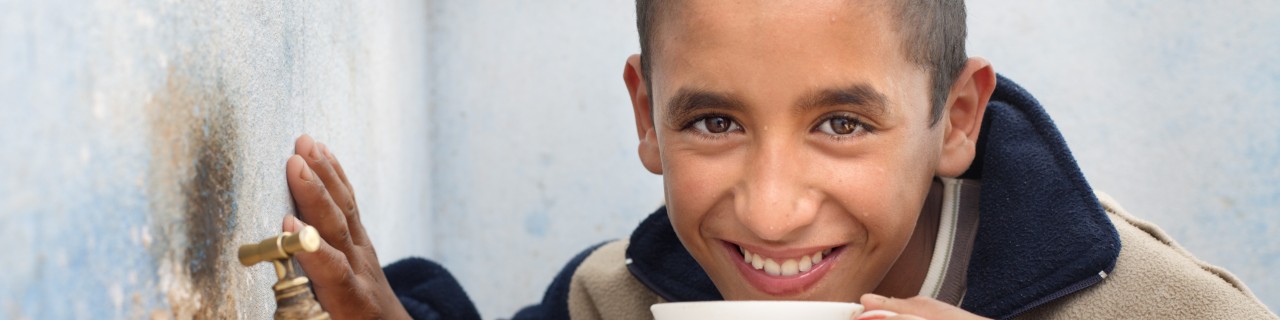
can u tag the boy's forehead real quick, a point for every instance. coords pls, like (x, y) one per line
(682, 17)
(829, 44)
(760, 24)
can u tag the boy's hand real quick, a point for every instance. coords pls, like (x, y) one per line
(344, 272)
(913, 308)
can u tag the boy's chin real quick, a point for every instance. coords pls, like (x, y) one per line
(819, 291)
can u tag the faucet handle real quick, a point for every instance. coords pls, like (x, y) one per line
(280, 247)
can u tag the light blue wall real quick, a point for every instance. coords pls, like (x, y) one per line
(496, 137)
(533, 141)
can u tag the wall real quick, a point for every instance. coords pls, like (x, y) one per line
(534, 145)
(143, 141)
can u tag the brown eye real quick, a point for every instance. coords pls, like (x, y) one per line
(840, 126)
(715, 125)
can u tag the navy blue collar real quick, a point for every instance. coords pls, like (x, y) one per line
(1042, 233)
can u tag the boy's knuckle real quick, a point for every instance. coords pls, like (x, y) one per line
(344, 236)
(347, 278)
(353, 211)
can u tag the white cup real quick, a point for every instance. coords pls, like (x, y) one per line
(755, 310)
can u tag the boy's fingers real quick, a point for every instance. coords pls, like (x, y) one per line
(326, 264)
(875, 315)
(337, 166)
(353, 219)
(343, 196)
(904, 317)
(331, 276)
(291, 224)
(315, 206)
(327, 267)
(313, 153)
(319, 162)
(918, 307)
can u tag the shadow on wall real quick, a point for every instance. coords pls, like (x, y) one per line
(192, 185)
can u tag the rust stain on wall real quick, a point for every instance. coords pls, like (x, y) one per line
(192, 189)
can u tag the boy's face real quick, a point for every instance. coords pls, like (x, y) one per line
(789, 129)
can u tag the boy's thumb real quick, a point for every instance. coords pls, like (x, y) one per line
(292, 224)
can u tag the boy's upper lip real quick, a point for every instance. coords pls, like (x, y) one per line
(777, 253)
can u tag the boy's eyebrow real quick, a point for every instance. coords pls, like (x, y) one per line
(688, 101)
(859, 95)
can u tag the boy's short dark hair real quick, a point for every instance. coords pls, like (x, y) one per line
(933, 34)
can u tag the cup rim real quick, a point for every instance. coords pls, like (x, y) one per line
(737, 306)
(759, 302)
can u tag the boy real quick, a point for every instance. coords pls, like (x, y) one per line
(819, 150)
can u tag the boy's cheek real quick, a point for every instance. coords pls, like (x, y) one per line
(694, 182)
(699, 191)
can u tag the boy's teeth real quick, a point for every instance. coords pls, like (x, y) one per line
(790, 267)
(787, 268)
(805, 264)
(771, 267)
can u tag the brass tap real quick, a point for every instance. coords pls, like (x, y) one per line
(293, 292)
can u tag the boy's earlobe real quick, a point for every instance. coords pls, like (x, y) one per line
(641, 105)
(968, 103)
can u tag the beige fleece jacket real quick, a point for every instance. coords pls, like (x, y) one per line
(1154, 278)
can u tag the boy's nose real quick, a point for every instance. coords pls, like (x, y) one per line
(773, 200)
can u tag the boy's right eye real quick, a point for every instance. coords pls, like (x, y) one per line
(715, 125)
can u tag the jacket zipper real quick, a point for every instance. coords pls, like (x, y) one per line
(1087, 282)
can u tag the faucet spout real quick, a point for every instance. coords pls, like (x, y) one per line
(294, 299)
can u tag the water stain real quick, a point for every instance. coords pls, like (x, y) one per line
(192, 186)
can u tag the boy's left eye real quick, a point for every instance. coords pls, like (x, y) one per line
(841, 126)
(715, 125)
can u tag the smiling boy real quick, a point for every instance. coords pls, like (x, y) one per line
(819, 150)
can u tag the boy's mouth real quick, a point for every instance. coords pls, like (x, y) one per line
(783, 272)
(783, 267)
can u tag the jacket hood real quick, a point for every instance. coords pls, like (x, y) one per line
(1042, 233)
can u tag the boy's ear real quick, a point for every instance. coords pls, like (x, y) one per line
(963, 116)
(650, 155)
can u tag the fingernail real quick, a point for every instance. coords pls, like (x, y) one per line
(295, 221)
(876, 315)
(316, 152)
(306, 174)
(874, 298)
(325, 150)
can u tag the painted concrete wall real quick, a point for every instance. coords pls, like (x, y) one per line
(534, 145)
(142, 141)
(1170, 107)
